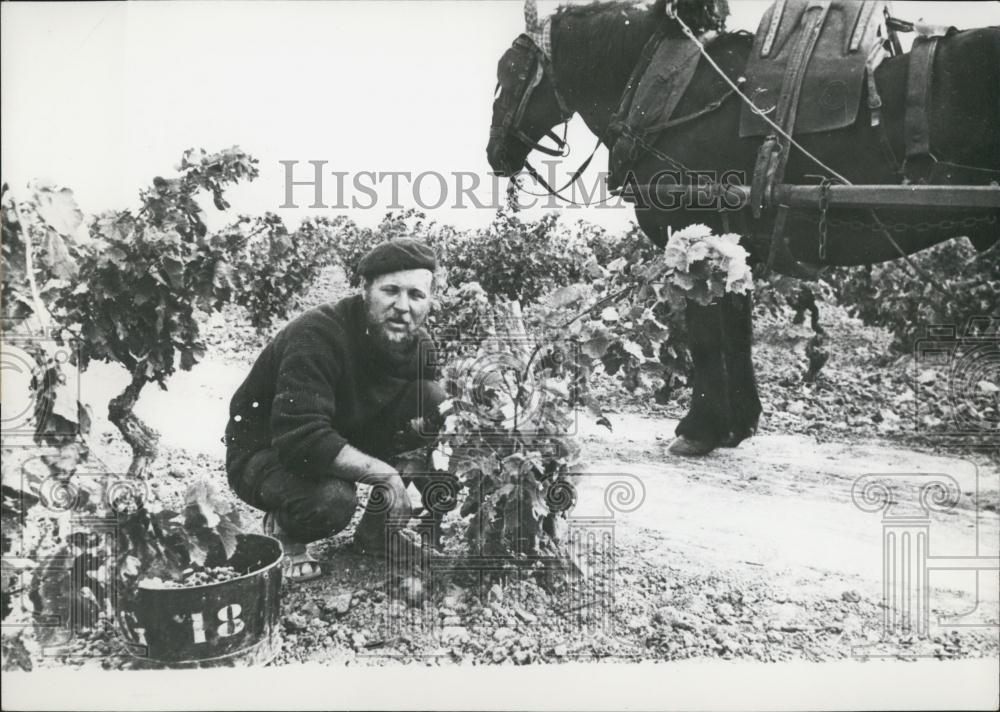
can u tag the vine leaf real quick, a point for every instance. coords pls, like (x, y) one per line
(55, 256)
(566, 296)
(597, 345)
(202, 505)
(633, 349)
(58, 208)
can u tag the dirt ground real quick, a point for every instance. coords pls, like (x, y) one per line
(754, 552)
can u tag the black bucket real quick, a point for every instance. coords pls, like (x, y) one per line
(232, 623)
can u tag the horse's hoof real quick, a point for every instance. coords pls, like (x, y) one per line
(686, 447)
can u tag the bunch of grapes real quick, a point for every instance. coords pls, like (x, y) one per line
(209, 575)
(202, 576)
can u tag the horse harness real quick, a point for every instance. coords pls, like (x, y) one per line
(510, 124)
(875, 35)
(815, 57)
(919, 160)
(540, 46)
(809, 66)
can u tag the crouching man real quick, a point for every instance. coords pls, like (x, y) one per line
(329, 403)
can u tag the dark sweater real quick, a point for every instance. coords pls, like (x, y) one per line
(318, 385)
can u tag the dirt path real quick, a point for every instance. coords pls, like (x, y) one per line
(756, 551)
(780, 507)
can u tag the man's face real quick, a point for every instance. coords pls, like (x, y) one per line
(397, 304)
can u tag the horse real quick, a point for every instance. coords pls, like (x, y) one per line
(592, 52)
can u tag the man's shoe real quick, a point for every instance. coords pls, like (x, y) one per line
(297, 564)
(301, 567)
(686, 447)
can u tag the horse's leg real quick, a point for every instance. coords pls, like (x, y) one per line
(725, 406)
(703, 428)
(742, 383)
(805, 301)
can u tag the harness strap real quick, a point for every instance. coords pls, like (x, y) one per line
(864, 17)
(707, 109)
(772, 30)
(788, 101)
(887, 153)
(617, 122)
(875, 57)
(916, 125)
(564, 109)
(773, 154)
(759, 193)
(874, 98)
(772, 158)
(894, 26)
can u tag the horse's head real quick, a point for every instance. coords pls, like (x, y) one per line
(599, 45)
(527, 103)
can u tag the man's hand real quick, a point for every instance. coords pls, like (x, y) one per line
(390, 492)
(388, 510)
(355, 466)
(398, 508)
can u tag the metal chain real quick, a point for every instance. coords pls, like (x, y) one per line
(884, 230)
(924, 226)
(824, 205)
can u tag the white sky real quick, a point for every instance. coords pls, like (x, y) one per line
(103, 96)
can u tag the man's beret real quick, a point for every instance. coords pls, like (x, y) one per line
(397, 255)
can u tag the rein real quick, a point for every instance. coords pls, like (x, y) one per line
(557, 192)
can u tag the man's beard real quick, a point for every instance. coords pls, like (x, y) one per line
(393, 348)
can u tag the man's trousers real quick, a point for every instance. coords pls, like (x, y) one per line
(307, 509)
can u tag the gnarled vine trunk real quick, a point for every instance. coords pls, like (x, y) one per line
(139, 436)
